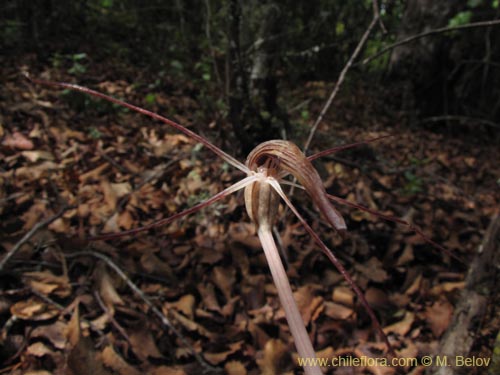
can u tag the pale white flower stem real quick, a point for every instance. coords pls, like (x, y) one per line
(295, 322)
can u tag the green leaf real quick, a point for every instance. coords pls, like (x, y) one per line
(494, 4)
(460, 18)
(339, 28)
(474, 3)
(150, 98)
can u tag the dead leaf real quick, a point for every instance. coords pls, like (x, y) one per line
(343, 295)
(34, 156)
(439, 316)
(73, 330)
(373, 270)
(185, 305)
(276, 355)
(144, 345)
(47, 283)
(106, 289)
(114, 361)
(235, 368)
(164, 370)
(224, 279)
(32, 309)
(403, 326)
(54, 333)
(337, 311)
(307, 302)
(18, 140)
(217, 358)
(38, 349)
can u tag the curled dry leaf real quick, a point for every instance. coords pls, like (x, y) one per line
(167, 370)
(337, 311)
(107, 289)
(276, 355)
(32, 309)
(39, 349)
(235, 368)
(185, 305)
(439, 316)
(308, 303)
(114, 361)
(17, 140)
(54, 333)
(217, 358)
(343, 295)
(47, 283)
(403, 326)
(373, 270)
(143, 344)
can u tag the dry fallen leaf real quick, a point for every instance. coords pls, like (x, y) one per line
(439, 316)
(106, 289)
(235, 368)
(403, 326)
(143, 344)
(307, 302)
(276, 356)
(18, 140)
(113, 360)
(32, 309)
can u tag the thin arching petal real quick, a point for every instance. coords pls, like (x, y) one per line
(224, 193)
(397, 220)
(228, 158)
(345, 147)
(336, 263)
(288, 157)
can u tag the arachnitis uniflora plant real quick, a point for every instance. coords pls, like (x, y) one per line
(266, 167)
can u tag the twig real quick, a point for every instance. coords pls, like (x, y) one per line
(210, 45)
(111, 318)
(30, 234)
(431, 32)
(461, 119)
(342, 76)
(164, 320)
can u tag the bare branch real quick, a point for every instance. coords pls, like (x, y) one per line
(30, 234)
(461, 119)
(429, 33)
(164, 320)
(342, 76)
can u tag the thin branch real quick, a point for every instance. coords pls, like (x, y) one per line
(164, 320)
(461, 119)
(429, 33)
(342, 76)
(111, 317)
(30, 234)
(210, 45)
(346, 147)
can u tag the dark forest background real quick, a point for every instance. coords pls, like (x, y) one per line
(241, 57)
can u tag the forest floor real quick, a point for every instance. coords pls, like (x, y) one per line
(61, 304)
